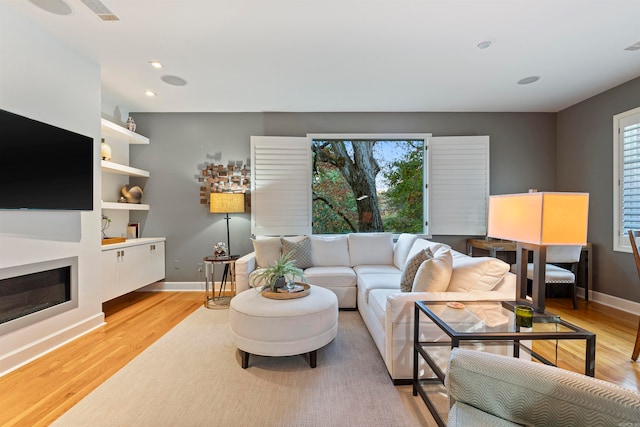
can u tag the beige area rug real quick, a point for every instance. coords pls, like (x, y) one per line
(192, 376)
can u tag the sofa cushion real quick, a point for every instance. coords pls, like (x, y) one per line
(371, 248)
(369, 282)
(434, 274)
(331, 277)
(268, 250)
(401, 249)
(411, 268)
(329, 251)
(300, 251)
(378, 304)
(376, 269)
(476, 273)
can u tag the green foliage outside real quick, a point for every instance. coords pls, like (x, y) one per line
(399, 191)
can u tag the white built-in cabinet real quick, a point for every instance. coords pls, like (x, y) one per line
(129, 266)
(135, 263)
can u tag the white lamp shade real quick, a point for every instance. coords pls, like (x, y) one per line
(544, 218)
(226, 203)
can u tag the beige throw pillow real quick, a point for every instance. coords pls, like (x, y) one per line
(267, 251)
(476, 273)
(299, 251)
(411, 268)
(434, 274)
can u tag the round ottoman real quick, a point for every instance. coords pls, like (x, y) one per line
(269, 327)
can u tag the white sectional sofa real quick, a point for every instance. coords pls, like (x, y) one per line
(365, 271)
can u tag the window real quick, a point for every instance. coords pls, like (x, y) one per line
(447, 196)
(364, 185)
(626, 177)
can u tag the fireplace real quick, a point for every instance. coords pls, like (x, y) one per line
(34, 292)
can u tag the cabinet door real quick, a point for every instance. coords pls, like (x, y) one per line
(110, 261)
(133, 268)
(156, 262)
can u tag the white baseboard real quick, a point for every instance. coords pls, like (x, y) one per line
(21, 356)
(611, 301)
(177, 287)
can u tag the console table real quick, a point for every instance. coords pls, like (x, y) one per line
(495, 247)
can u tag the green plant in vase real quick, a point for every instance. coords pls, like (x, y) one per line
(279, 274)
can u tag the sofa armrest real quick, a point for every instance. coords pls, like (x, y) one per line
(244, 266)
(530, 393)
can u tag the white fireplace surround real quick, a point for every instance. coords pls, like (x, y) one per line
(32, 318)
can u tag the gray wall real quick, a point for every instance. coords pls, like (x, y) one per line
(585, 163)
(523, 156)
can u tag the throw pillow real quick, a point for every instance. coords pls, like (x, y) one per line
(411, 268)
(299, 251)
(267, 251)
(476, 273)
(434, 274)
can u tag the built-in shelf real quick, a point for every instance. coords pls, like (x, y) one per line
(125, 206)
(117, 131)
(123, 169)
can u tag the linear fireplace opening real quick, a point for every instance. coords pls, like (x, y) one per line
(34, 292)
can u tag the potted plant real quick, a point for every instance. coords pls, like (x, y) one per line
(278, 274)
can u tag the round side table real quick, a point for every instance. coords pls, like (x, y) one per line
(228, 276)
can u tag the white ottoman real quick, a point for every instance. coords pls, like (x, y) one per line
(269, 327)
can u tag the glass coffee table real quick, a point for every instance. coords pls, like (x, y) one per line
(485, 325)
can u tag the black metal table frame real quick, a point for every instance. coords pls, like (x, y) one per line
(228, 273)
(486, 337)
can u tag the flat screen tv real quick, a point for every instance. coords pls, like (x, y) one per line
(43, 166)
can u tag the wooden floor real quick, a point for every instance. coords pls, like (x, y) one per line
(40, 392)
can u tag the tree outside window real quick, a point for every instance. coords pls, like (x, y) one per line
(367, 186)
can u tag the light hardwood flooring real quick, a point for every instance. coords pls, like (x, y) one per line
(40, 392)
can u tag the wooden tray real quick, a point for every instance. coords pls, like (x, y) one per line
(111, 240)
(288, 295)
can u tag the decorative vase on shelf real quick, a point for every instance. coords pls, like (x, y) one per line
(105, 150)
(131, 125)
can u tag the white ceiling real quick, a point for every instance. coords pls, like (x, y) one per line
(353, 55)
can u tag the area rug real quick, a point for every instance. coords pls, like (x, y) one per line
(192, 376)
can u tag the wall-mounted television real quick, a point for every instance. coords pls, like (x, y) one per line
(43, 166)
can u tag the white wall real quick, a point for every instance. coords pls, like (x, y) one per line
(41, 78)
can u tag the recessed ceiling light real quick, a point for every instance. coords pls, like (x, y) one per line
(174, 80)
(149, 93)
(483, 45)
(528, 80)
(59, 7)
(155, 64)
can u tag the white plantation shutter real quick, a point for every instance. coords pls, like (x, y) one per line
(457, 185)
(626, 172)
(281, 185)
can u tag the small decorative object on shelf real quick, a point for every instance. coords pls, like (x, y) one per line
(106, 222)
(105, 150)
(131, 125)
(220, 249)
(131, 195)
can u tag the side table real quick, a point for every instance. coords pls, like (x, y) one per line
(228, 276)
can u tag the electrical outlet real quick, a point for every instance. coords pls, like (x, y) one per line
(176, 264)
(200, 267)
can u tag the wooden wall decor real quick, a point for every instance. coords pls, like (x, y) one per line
(234, 177)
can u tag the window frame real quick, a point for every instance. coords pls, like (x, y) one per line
(620, 239)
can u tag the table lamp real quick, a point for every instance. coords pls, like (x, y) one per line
(226, 203)
(534, 221)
